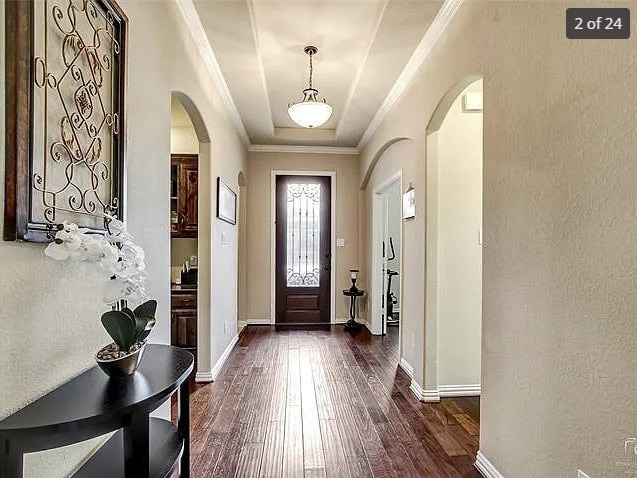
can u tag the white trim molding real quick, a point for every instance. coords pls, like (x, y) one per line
(293, 148)
(194, 25)
(430, 396)
(459, 390)
(427, 396)
(416, 389)
(431, 37)
(203, 377)
(258, 321)
(212, 376)
(407, 368)
(486, 468)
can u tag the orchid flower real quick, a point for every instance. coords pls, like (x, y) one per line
(114, 251)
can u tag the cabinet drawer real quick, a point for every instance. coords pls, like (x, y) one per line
(188, 300)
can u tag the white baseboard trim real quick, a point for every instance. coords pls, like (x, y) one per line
(459, 390)
(340, 320)
(427, 396)
(203, 377)
(486, 468)
(258, 322)
(430, 396)
(416, 389)
(407, 368)
(242, 323)
(222, 360)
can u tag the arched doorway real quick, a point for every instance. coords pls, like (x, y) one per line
(190, 141)
(453, 304)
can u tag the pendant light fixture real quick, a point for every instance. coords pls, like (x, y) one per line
(310, 112)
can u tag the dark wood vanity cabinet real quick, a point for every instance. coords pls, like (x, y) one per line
(183, 320)
(183, 195)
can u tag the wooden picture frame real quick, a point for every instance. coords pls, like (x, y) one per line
(65, 91)
(226, 202)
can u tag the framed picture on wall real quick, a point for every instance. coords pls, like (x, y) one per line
(226, 202)
(409, 204)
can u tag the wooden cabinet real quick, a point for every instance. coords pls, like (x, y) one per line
(183, 320)
(183, 195)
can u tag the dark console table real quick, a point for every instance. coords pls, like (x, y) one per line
(91, 405)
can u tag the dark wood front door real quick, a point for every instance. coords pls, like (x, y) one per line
(303, 252)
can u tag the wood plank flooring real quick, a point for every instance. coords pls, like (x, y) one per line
(325, 403)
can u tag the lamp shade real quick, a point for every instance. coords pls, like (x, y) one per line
(310, 113)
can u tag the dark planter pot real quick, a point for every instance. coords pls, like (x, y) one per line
(123, 366)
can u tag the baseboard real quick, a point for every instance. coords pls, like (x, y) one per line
(416, 389)
(486, 468)
(430, 396)
(427, 396)
(407, 368)
(459, 390)
(340, 320)
(258, 322)
(203, 377)
(241, 323)
(224, 356)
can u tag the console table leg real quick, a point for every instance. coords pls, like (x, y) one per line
(184, 427)
(137, 447)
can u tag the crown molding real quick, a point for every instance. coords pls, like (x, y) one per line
(194, 25)
(290, 148)
(432, 35)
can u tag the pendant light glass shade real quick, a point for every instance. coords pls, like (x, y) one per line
(310, 112)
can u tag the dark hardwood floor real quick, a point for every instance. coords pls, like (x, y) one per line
(325, 403)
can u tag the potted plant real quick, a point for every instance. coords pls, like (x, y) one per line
(123, 262)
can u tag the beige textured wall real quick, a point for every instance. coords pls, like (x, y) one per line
(558, 381)
(183, 139)
(50, 311)
(458, 205)
(259, 179)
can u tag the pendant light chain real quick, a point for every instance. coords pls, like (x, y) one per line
(311, 69)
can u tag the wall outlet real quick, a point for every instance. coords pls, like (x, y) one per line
(581, 474)
(340, 242)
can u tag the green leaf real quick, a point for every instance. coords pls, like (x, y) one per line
(147, 309)
(121, 327)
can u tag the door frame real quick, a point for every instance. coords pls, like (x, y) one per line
(379, 232)
(332, 176)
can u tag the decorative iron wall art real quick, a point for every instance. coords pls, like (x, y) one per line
(65, 68)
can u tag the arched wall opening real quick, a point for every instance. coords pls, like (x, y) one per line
(382, 188)
(453, 238)
(189, 135)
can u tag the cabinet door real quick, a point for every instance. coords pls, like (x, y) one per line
(186, 328)
(188, 199)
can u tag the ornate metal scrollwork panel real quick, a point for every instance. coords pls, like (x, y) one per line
(76, 110)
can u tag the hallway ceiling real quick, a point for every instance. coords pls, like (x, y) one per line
(363, 47)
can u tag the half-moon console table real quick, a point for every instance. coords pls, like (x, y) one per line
(91, 405)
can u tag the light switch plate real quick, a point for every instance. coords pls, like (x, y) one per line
(340, 242)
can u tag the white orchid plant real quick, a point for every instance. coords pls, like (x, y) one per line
(114, 251)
